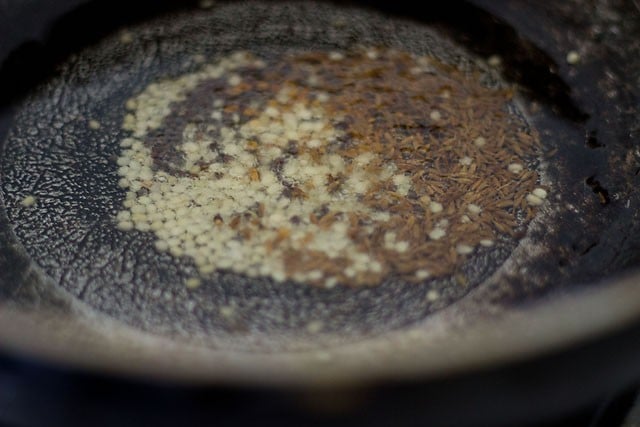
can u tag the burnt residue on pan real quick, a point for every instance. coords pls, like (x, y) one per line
(62, 147)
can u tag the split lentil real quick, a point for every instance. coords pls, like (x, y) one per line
(327, 167)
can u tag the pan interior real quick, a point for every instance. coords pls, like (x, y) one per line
(63, 147)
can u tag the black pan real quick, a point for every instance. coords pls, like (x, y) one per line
(77, 292)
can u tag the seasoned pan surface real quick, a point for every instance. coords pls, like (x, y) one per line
(66, 257)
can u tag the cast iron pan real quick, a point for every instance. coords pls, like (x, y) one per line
(77, 292)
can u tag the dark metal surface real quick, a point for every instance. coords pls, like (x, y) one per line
(51, 154)
(65, 258)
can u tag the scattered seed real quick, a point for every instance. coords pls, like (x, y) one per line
(474, 209)
(540, 193)
(494, 61)
(193, 283)
(331, 283)
(433, 295)
(29, 201)
(437, 234)
(402, 246)
(234, 80)
(463, 249)
(315, 327)
(466, 161)
(126, 37)
(227, 311)
(480, 141)
(161, 245)
(435, 207)
(573, 57)
(125, 226)
(515, 168)
(422, 274)
(534, 200)
(206, 4)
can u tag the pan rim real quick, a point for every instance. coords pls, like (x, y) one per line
(548, 326)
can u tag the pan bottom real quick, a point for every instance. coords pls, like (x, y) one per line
(60, 185)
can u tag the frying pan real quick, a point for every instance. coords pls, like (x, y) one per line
(553, 314)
